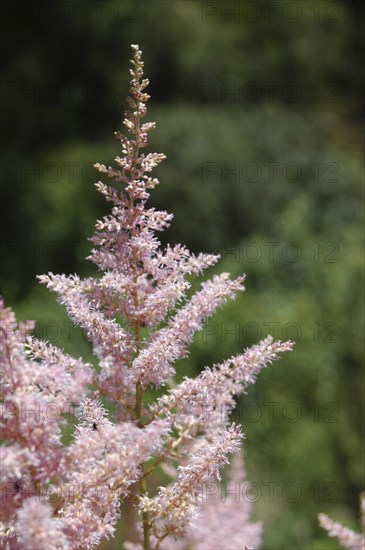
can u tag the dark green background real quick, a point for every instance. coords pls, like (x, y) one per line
(271, 89)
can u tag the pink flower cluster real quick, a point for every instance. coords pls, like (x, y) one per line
(346, 537)
(140, 318)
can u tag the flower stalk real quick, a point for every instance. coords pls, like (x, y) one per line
(148, 286)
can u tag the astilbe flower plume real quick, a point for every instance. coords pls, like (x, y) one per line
(140, 322)
(346, 537)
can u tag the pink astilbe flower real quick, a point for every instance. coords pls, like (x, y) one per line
(174, 507)
(37, 527)
(346, 537)
(154, 363)
(104, 461)
(225, 515)
(222, 514)
(140, 320)
(35, 395)
(204, 403)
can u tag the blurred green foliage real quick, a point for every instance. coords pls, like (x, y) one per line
(258, 111)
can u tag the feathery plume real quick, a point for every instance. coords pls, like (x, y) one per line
(140, 320)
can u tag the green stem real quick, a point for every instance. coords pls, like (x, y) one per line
(143, 489)
(145, 519)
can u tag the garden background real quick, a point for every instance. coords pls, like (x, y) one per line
(258, 109)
